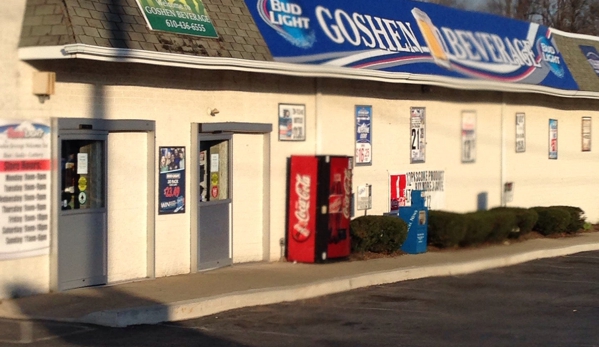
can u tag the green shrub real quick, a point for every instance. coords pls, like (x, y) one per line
(503, 223)
(446, 229)
(479, 227)
(526, 218)
(552, 220)
(378, 234)
(577, 218)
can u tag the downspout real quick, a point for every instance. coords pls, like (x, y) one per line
(317, 114)
(503, 148)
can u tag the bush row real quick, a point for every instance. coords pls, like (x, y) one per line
(448, 229)
(378, 234)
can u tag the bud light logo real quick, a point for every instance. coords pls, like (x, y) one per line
(288, 19)
(550, 55)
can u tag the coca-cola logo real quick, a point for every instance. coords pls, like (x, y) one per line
(301, 232)
(346, 191)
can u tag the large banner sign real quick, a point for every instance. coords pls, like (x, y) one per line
(25, 159)
(411, 37)
(592, 57)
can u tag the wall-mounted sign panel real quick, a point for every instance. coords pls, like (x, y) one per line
(187, 17)
(25, 164)
(292, 122)
(520, 133)
(417, 135)
(586, 134)
(432, 183)
(468, 137)
(553, 139)
(363, 135)
(409, 37)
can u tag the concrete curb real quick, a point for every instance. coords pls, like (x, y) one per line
(197, 308)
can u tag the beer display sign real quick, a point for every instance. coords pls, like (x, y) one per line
(363, 135)
(553, 139)
(592, 56)
(410, 37)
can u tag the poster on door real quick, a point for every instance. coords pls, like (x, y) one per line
(363, 135)
(553, 139)
(468, 137)
(25, 164)
(417, 135)
(171, 185)
(430, 182)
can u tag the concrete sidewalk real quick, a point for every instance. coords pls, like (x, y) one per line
(196, 295)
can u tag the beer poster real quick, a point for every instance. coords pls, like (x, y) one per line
(417, 135)
(553, 139)
(586, 134)
(25, 172)
(520, 133)
(292, 122)
(468, 137)
(171, 185)
(363, 135)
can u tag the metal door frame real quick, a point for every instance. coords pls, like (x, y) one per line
(92, 136)
(224, 136)
(215, 131)
(69, 126)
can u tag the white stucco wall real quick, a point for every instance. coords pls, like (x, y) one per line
(26, 275)
(127, 206)
(175, 98)
(248, 188)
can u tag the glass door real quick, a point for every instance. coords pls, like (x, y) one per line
(214, 214)
(82, 217)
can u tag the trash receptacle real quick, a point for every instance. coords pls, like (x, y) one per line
(416, 217)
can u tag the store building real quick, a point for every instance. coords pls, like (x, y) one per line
(131, 153)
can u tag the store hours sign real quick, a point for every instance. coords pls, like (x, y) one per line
(178, 16)
(25, 189)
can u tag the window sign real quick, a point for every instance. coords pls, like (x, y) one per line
(82, 164)
(25, 189)
(363, 135)
(468, 137)
(520, 133)
(292, 120)
(178, 16)
(553, 139)
(172, 180)
(586, 134)
(417, 135)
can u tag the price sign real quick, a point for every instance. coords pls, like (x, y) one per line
(417, 135)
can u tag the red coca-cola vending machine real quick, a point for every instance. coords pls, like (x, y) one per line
(318, 210)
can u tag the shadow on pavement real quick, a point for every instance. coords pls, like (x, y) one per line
(51, 320)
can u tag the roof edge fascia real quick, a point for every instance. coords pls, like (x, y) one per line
(124, 55)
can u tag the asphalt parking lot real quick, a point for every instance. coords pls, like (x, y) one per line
(550, 302)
